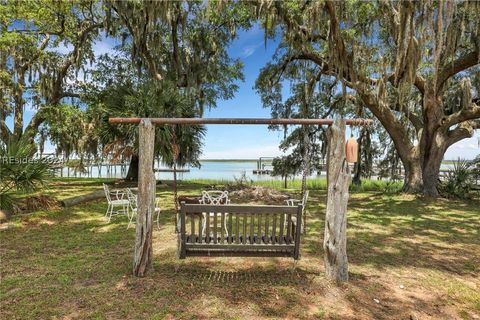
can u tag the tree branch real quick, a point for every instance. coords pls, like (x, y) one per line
(309, 37)
(395, 129)
(463, 115)
(393, 15)
(462, 63)
(420, 83)
(40, 48)
(5, 131)
(33, 125)
(476, 124)
(57, 92)
(414, 118)
(138, 45)
(82, 36)
(317, 59)
(463, 131)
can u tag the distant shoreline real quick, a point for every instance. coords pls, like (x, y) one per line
(228, 160)
(266, 160)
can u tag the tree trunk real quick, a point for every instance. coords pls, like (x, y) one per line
(146, 201)
(19, 107)
(132, 173)
(413, 181)
(73, 201)
(431, 174)
(432, 161)
(422, 173)
(338, 180)
(432, 144)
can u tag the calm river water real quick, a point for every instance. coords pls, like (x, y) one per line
(215, 170)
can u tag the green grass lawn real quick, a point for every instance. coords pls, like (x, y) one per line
(408, 257)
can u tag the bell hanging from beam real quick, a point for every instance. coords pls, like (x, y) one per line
(351, 150)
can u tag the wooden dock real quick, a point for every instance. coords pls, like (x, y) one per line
(171, 170)
(262, 171)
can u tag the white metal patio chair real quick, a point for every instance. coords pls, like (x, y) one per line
(214, 197)
(303, 202)
(115, 199)
(294, 202)
(133, 204)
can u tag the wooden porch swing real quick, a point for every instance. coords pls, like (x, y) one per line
(258, 230)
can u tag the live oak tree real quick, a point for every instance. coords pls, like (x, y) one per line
(182, 47)
(34, 70)
(411, 63)
(183, 43)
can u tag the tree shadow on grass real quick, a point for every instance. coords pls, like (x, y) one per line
(215, 288)
(411, 232)
(222, 288)
(84, 262)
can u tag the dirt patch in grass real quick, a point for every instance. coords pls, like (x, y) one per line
(259, 193)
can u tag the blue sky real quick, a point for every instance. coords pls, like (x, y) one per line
(248, 142)
(244, 142)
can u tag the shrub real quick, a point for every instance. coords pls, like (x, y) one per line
(19, 171)
(459, 181)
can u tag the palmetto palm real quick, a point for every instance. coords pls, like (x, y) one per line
(128, 94)
(19, 171)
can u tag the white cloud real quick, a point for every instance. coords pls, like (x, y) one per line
(249, 50)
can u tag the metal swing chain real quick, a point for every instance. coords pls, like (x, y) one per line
(306, 167)
(306, 163)
(176, 152)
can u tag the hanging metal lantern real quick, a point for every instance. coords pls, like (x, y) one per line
(351, 150)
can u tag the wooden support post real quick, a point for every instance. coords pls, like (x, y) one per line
(146, 200)
(298, 232)
(338, 180)
(182, 239)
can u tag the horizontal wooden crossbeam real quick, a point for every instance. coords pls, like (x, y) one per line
(257, 121)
